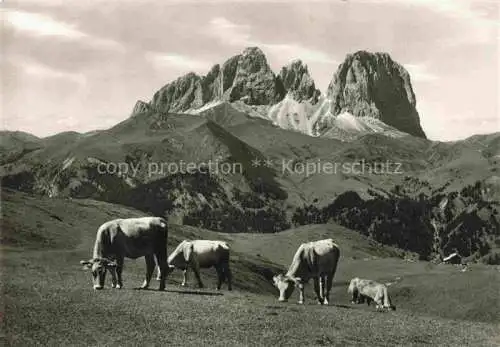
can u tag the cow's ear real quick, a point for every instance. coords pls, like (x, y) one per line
(86, 264)
(275, 279)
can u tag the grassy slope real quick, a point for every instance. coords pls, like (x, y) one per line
(49, 301)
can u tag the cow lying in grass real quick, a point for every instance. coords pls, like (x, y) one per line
(369, 290)
(317, 260)
(198, 254)
(130, 238)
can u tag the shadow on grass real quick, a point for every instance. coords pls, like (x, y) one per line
(343, 306)
(194, 292)
(180, 291)
(293, 304)
(341, 284)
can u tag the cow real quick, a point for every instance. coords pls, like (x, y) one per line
(198, 254)
(317, 260)
(131, 238)
(361, 290)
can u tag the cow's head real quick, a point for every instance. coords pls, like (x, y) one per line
(285, 285)
(176, 261)
(98, 266)
(181, 256)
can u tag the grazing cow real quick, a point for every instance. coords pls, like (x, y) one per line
(131, 238)
(369, 290)
(198, 254)
(317, 260)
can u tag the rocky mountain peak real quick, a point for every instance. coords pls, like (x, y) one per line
(255, 59)
(140, 107)
(373, 85)
(246, 77)
(298, 82)
(254, 82)
(183, 93)
(368, 85)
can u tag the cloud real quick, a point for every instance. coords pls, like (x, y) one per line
(70, 122)
(453, 8)
(229, 32)
(420, 73)
(41, 71)
(162, 60)
(40, 25)
(292, 51)
(479, 19)
(233, 34)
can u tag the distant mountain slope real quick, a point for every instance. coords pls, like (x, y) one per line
(15, 144)
(61, 162)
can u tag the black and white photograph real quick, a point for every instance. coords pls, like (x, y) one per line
(250, 173)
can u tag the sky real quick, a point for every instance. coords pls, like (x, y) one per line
(82, 65)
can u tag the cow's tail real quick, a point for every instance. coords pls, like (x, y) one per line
(337, 258)
(226, 251)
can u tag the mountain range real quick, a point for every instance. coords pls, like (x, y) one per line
(369, 91)
(241, 112)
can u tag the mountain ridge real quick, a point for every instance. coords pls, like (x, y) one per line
(290, 99)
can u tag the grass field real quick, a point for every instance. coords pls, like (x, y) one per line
(48, 298)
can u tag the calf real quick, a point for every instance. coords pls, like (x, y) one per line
(369, 290)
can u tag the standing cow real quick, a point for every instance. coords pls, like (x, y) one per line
(198, 254)
(131, 238)
(317, 260)
(369, 290)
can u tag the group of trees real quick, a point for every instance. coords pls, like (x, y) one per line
(399, 222)
(246, 212)
(234, 219)
(431, 226)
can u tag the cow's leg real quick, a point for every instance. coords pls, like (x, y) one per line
(229, 276)
(150, 268)
(196, 271)
(158, 273)
(321, 288)
(355, 296)
(378, 302)
(184, 276)
(301, 293)
(113, 277)
(220, 276)
(316, 285)
(368, 300)
(325, 291)
(119, 271)
(161, 261)
(329, 284)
